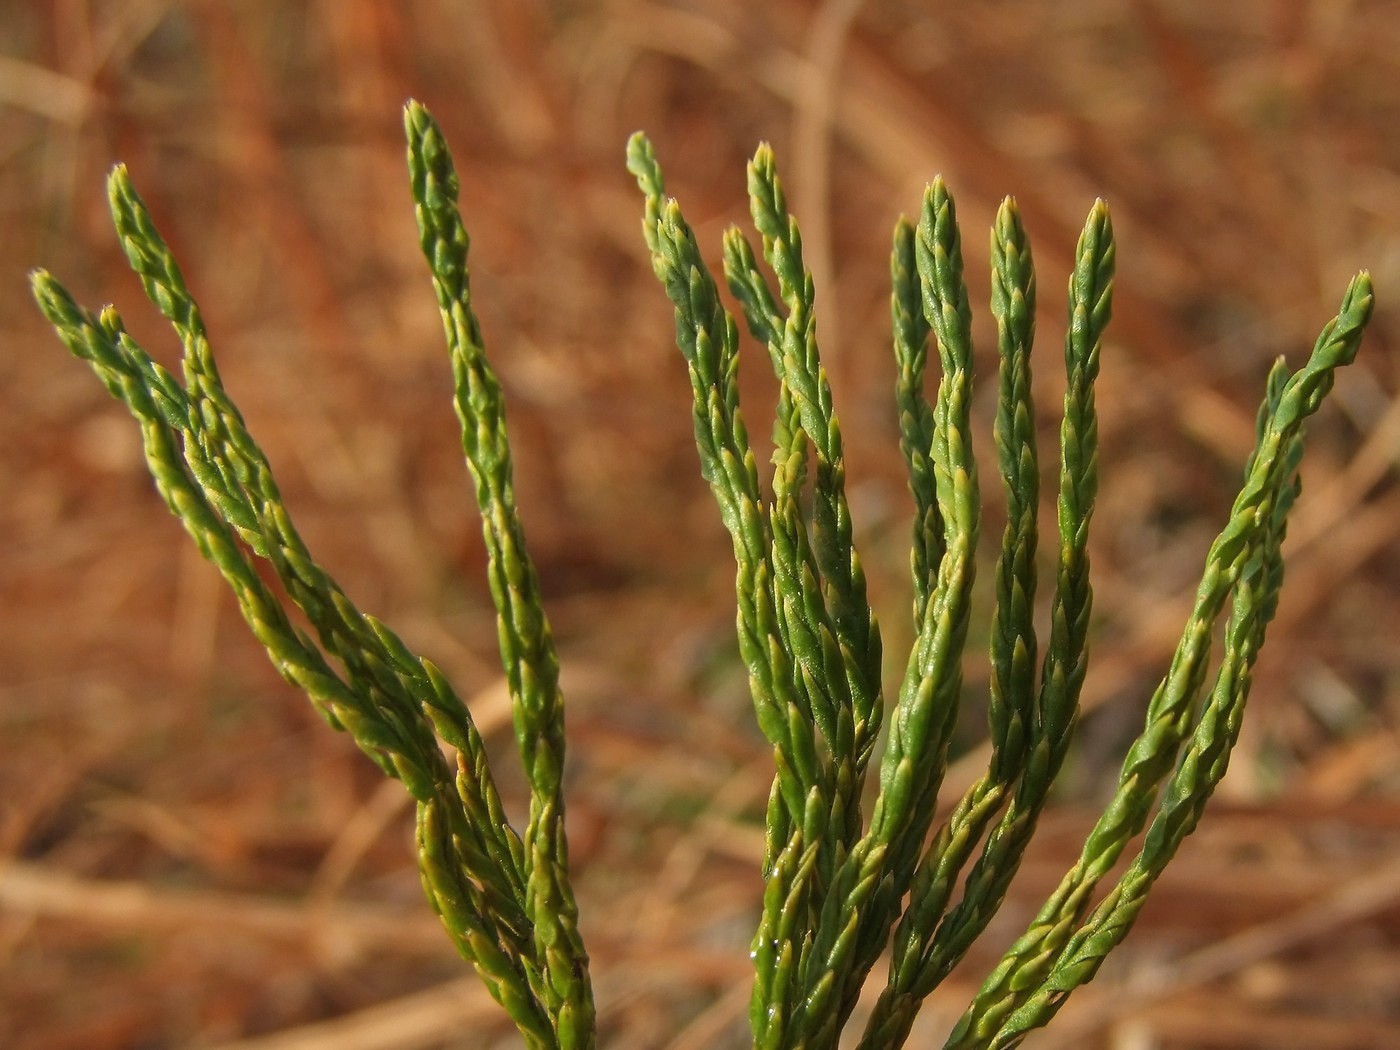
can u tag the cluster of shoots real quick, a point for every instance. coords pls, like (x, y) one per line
(859, 871)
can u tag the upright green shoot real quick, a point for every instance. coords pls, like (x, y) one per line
(825, 924)
(841, 885)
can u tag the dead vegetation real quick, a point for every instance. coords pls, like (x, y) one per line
(188, 856)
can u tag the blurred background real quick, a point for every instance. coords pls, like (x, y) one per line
(189, 857)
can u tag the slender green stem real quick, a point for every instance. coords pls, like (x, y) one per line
(526, 645)
(1013, 646)
(910, 336)
(865, 897)
(843, 579)
(788, 714)
(1236, 553)
(475, 883)
(1049, 720)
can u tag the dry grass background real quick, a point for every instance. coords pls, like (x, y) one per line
(188, 857)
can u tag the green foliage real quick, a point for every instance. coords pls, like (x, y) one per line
(505, 900)
(841, 887)
(838, 884)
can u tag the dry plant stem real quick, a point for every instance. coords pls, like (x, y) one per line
(837, 884)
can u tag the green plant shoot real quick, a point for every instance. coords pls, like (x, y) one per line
(842, 887)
